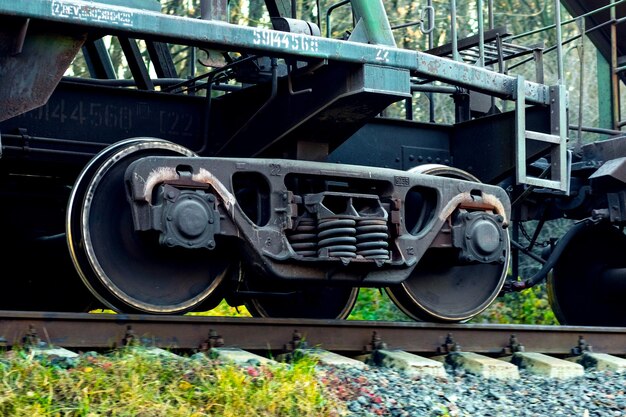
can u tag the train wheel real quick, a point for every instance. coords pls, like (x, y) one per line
(440, 289)
(279, 300)
(127, 270)
(587, 286)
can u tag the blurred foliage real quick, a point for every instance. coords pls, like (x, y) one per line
(223, 309)
(527, 307)
(530, 306)
(374, 304)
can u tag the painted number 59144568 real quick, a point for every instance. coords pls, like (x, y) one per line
(284, 40)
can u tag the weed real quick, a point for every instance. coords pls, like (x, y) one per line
(132, 383)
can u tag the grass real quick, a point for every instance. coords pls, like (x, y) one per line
(133, 382)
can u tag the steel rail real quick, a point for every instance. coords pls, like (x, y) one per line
(101, 331)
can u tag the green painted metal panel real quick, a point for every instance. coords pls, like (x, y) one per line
(387, 80)
(216, 35)
(375, 21)
(605, 112)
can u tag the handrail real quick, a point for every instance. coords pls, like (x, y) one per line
(329, 11)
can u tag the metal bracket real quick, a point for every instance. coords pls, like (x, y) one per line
(375, 344)
(213, 341)
(582, 347)
(130, 338)
(449, 345)
(31, 339)
(513, 346)
(297, 342)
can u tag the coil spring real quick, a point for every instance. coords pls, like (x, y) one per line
(336, 238)
(371, 238)
(304, 239)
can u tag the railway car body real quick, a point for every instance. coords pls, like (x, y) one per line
(272, 178)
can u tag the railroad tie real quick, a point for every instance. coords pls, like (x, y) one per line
(600, 361)
(325, 357)
(239, 356)
(480, 365)
(539, 364)
(408, 363)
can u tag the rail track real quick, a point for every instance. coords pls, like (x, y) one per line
(83, 331)
(388, 380)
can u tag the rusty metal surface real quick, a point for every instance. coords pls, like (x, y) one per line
(86, 331)
(25, 83)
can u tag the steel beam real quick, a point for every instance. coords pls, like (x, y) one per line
(138, 23)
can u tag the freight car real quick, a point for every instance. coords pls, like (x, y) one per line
(273, 173)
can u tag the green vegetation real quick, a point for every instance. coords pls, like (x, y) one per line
(530, 306)
(135, 382)
(527, 307)
(374, 304)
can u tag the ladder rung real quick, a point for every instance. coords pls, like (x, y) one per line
(541, 182)
(544, 137)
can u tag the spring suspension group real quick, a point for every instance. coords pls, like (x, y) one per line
(348, 235)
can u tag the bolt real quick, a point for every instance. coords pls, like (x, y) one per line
(211, 244)
(376, 343)
(129, 338)
(215, 339)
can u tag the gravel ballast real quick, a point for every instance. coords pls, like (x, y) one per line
(379, 391)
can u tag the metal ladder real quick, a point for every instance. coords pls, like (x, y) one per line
(560, 158)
